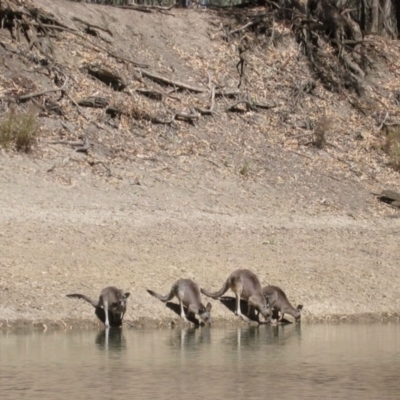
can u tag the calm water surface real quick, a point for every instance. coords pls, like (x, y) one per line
(290, 362)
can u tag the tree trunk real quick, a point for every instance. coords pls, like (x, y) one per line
(396, 5)
(389, 19)
(375, 16)
(363, 15)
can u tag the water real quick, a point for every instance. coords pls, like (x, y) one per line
(290, 362)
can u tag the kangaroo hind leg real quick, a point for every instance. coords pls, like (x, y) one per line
(238, 288)
(183, 315)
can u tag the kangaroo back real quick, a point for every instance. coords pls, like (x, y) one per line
(251, 290)
(251, 286)
(188, 292)
(276, 297)
(278, 300)
(245, 284)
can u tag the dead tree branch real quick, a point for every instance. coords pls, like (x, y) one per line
(29, 96)
(149, 9)
(180, 85)
(86, 146)
(250, 105)
(210, 110)
(162, 79)
(110, 53)
(92, 26)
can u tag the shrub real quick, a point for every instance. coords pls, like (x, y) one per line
(245, 169)
(18, 129)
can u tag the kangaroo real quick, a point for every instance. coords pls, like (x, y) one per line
(188, 294)
(245, 285)
(279, 302)
(111, 299)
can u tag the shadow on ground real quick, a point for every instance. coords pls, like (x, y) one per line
(177, 309)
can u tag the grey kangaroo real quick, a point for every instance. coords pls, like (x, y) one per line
(111, 299)
(279, 302)
(245, 285)
(188, 294)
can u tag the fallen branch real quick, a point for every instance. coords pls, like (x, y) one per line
(203, 111)
(190, 117)
(142, 8)
(66, 142)
(162, 79)
(383, 122)
(250, 105)
(92, 26)
(395, 123)
(181, 85)
(94, 101)
(229, 93)
(29, 96)
(156, 95)
(298, 154)
(85, 147)
(251, 23)
(110, 53)
(151, 94)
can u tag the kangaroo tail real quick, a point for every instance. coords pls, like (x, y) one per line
(165, 298)
(220, 292)
(82, 296)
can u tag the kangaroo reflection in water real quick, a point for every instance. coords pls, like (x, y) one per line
(190, 339)
(111, 339)
(244, 341)
(253, 338)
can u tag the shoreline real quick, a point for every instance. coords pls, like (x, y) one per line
(45, 325)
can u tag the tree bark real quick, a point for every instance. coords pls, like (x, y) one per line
(388, 19)
(375, 16)
(396, 12)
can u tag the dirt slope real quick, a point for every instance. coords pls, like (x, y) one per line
(188, 200)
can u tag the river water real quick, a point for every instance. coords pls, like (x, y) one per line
(349, 361)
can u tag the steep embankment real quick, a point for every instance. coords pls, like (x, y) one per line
(152, 202)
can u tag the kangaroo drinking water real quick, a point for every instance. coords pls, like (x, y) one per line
(112, 300)
(246, 286)
(279, 302)
(188, 294)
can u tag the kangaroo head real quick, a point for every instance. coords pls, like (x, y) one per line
(205, 313)
(122, 300)
(297, 314)
(265, 309)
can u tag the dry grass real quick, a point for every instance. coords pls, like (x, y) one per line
(245, 169)
(18, 129)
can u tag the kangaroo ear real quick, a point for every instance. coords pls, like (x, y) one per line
(208, 307)
(126, 295)
(300, 307)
